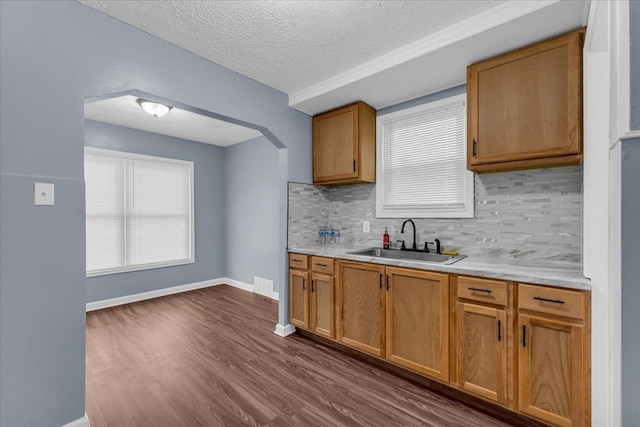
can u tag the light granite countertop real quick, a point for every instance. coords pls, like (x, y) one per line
(565, 276)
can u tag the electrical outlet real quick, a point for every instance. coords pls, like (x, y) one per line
(44, 194)
(366, 226)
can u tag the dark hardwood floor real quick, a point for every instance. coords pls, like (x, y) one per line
(210, 358)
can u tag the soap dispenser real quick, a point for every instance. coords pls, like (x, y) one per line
(385, 239)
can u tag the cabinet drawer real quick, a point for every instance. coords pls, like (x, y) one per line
(560, 302)
(298, 261)
(489, 291)
(322, 265)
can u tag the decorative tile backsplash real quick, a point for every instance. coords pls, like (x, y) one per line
(533, 215)
(308, 213)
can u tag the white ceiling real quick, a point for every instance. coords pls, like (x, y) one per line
(125, 111)
(324, 54)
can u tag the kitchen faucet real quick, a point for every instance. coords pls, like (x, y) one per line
(414, 232)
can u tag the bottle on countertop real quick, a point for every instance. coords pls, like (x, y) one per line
(385, 239)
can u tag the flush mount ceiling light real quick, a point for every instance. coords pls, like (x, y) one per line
(153, 108)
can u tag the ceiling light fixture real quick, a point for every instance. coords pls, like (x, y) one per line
(153, 108)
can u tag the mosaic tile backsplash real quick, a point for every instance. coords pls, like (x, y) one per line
(530, 216)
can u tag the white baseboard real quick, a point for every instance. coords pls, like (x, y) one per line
(80, 422)
(285, 330)
(238, 284)
(246, 287)
(127, 299)
(97, 305)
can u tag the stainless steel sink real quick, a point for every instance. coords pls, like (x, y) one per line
(408, 255)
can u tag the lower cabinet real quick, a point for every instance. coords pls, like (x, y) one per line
(417, 321)
(482, 351)
(312, 294)
(396, 313)
(525, 347)
(554, 355)
(299, 298)
(483, 334)
(361, 302)
(323, 305)
(551, 377)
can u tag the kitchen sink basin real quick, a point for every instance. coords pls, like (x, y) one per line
(408, 255)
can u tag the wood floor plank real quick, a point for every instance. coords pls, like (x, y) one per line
(209, 357)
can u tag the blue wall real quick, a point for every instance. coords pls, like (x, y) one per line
(252, 204)
(634, 27)
(54, 55)
(631, 238)
(209, 212)
(630, 284)
(423, 100)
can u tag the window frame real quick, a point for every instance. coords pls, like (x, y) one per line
(144, 157)
(469, 180)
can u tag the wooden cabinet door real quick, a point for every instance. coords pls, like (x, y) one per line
(322, 305)
(361, 301)
(299, 298)
(418, 321)
(527, 104)
(550, 379)
(482, 351)
(335, 144)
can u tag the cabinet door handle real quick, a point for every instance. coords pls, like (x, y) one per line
(474, 148)
(354, 165)
(488, 291)
(557, 301)
(387, 282)
(304, 284)
(313, 282)
(380, 280)
(499, 331)
(524, 335)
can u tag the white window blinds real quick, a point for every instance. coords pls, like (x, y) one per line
(105, 216)
(422, 162)
(138, 212)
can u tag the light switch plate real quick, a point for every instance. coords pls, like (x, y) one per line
(366, 226)
(44, 194)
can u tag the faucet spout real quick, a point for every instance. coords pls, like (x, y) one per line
(415, 248)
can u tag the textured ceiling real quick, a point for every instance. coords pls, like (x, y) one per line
(290, 45)
(325, 54)
(125, 111)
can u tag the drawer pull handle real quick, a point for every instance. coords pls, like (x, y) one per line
(556, 301)
(321, 265)
(488, 291)
(296, 260)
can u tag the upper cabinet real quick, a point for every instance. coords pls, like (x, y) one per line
(344, 145)
(525, 107)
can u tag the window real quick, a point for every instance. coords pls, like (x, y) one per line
(139, 211)
(422, 169)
